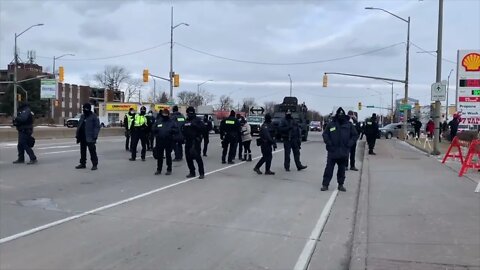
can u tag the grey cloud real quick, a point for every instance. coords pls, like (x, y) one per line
(101, 29)
(94, 8)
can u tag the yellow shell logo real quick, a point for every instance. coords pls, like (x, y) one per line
(471, 62)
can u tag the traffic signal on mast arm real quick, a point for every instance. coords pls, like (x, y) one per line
(359, 106)
(176, 80)
(417, 106)
(325, 80)
(145, 75)
(61, 74)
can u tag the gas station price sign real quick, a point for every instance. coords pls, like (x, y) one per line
(469, 83)
(476, 92)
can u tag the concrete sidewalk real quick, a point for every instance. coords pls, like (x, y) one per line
(414, 213)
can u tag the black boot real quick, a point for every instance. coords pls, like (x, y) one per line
(324, 188)
(342, 188)
(19, 161)
(249, 157)
(257, 170)
(244, 157)
(81, 166)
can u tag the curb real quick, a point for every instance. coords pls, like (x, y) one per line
(56, 133)
(359, 251)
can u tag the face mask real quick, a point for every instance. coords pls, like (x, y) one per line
(131, 112)
(289, 116)
(191, 115)
(86, 111)
(143, 112)
(165, 116)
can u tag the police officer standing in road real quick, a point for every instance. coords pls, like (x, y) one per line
(266, 143)
(127, 122)
(139, 132)
(292, 136)
(353, 149)
(178, 139)
(230, 134)
(371, 131)
(339, 137)
(24, 123)
(150, 137)
(164, 130)
(240, 144)
(87, 134)
(193, 131)
(206, 133)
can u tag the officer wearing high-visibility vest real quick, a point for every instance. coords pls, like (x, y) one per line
(230, 133)
(139, 132)
(178, 139)
(127, 122)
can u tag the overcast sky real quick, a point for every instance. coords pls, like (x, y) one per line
(290, 33)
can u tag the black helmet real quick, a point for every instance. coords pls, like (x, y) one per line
(189, 109)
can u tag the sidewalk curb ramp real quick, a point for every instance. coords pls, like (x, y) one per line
(11, 134)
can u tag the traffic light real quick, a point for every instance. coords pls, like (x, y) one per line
(19, 97)
(417, 106)
(176, 80)
(61, 74)
(325, 80)
(145, 75)
(359, 106)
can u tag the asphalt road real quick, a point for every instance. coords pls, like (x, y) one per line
(124, 217)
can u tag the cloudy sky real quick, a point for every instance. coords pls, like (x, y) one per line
(249, 47)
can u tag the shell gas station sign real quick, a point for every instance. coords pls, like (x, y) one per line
(468, 86)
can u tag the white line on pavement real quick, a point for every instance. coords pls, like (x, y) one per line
(105, 207)
(59, 152)
(304, 258)
(55, 147)
(478, 188)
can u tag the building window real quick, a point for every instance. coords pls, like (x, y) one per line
(63, 103)
(70, 114)
(70, 104)
(113, 118)
(63, 114)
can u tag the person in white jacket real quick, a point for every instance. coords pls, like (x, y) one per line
(246, 140)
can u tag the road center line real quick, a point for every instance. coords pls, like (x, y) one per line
(59, 152)
(304, 258)
(108, 206)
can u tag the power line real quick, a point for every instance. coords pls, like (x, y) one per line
(288, 64)
(432, 54)
(109, 57)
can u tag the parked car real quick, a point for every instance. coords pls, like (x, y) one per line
(73, 122)
(394, 130)
(315, 126)
(255, 122)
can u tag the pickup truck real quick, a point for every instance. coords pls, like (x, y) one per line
(255, 122)
(73, 122)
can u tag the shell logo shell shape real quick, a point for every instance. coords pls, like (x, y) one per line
(471, 62)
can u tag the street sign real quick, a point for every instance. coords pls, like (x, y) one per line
(253, 110)
(439, 91)
(48, 89)
(405, 107)
(370, 106)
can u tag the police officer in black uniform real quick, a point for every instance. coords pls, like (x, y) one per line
(240, 144)
(371, 131)
(87, 134)
(150, 136)
(292, 136)
(24, 123)
(178, 139)
(267, 142)
(206, 133)
(230, 134)
(164, 131)
(192, 131)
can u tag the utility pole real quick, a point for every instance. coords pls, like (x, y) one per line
(171, 56)
(290, 84)
(438, 104)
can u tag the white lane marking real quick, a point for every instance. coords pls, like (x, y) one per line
(108, 206)
(104, 139)
(478, 188)
(55, 147)
(304, 258)
(58, 152)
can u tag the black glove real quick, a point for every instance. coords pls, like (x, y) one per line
(274, 147)
(78, 140)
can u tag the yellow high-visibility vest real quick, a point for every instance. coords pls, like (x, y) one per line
(130, 120)
(140, 120)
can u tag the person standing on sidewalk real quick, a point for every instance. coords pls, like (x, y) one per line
(164, 130)
(353, 149)
(24, 124)
(206, 133)
(430, 128)
(246, 139)
(87, 134)
(266, 143)
(127, 122)
(371, 131)
(339, 137)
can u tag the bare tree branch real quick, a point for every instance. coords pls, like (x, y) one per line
(132, 89)
(112, 77)
(226, 103)
(268, 106)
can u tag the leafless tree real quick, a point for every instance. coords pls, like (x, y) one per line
(247, 104)
(132, 89)
(226, 103)
(113, 77)
(206, 97)
(268, 106)
(188, 98)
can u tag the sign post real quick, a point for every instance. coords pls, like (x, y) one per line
(439, 91)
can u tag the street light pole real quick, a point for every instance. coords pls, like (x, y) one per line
(448, 87)
(15, 79)
(52, 105)
(290, 84)
(200, 84)
(407, 63)
(438, 105)
(171, 52)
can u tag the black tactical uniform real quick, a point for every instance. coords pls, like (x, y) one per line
(230, 134)
(164, 131)
(206, 133)
(371, 131)
(267, 142)
(24, 124)
(192, 130)
(178, 139)
(291, 135)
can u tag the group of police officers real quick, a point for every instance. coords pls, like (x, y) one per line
(170, 131)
